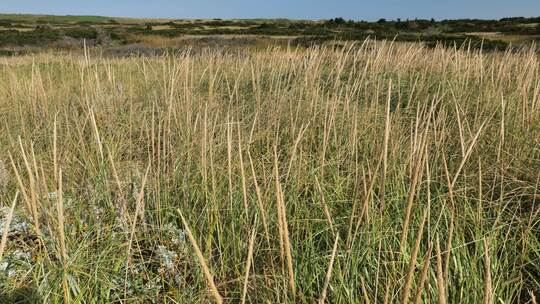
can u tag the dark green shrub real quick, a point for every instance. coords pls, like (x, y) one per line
(81, 32)
(6, 23)
(36, 37)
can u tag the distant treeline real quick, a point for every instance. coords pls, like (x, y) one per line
(520, 25)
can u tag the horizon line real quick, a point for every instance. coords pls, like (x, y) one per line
(264, 18)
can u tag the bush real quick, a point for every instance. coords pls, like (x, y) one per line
(81, 32)
(36, 37)
(5, 23)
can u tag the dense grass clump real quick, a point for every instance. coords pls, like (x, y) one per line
(371, 173)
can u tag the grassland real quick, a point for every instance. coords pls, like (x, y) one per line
(378, 172)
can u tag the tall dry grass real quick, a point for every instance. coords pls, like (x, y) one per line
(425, 161)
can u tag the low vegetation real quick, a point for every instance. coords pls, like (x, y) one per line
(377, 172)
(21, 34)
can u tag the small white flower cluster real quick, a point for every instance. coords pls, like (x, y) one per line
(98, 211)
(52, 195)
(121, 285)
(167, 258)
(152, 286)
(11, 265)
(176, 235)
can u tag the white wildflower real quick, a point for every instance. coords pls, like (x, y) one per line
(176, 235)
(98, 211)
(4, 266)
(15, 263)
(11, 273)
(152, 285)
(178, 279)
(166, 257)
(21, 255)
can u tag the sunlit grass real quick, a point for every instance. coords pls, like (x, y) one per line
(376, 173)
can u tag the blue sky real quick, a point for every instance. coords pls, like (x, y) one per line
(297, 9)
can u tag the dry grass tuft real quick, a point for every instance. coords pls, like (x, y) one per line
(4, 176)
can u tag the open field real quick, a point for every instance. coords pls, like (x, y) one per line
(376, 172)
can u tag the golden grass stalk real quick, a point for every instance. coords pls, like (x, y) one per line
(479, 205)
(377, 274)
(39, 188)
(322, 298)
(32, 190)
(229, 158)
(295, 148)
(412, 263)
(23, 190)
(351, 236)
(61, 234)
(4, 176)
(325, 206)
(364, 290)
(502, 131)
(385, 148)
(96, 134)
(242, 171)
(122, 200)
(259, 198)
(55, 149)
(441, 286)
(60, 214)
(138, 209)
(423, 276)
(207, 274)
(387, 292)
(7, 222)
(412, 193)
(469, 150)
(533, 297)
(460, 125)
(248, 262)
(282, 214)
(448, 248)
(488, 287)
